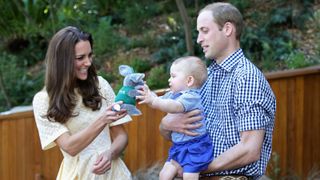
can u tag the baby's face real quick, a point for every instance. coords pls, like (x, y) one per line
(178, 80)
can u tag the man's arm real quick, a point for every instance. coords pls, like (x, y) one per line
(165, 132)
(245, 152)
(180, 122)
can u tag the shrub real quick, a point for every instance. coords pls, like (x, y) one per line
(17, 85)
(158, 77)
(140, 65)
(135, 15)
(106, 40)
(296, 60)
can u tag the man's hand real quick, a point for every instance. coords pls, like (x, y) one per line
(181, 122)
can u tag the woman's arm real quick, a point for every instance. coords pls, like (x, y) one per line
(74, 143)
(119, 142)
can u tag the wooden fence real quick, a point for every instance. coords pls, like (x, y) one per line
(296, 135)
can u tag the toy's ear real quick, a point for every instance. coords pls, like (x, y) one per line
(125, 70)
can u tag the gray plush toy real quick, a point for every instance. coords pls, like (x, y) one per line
(128, 92)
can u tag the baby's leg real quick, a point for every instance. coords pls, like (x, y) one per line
(190, 176)
(179, 168)
(168, 172)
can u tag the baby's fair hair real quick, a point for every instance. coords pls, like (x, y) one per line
(195, 67)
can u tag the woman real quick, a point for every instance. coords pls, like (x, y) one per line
(74, 111)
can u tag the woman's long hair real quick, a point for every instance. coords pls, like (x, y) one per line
(61, 80)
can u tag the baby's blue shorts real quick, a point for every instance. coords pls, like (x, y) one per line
(194, 155)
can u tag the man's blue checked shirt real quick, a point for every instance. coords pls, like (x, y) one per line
(237, 97)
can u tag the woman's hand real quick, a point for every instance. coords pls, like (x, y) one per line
(110, 115)
(103, 163)
(119, 142)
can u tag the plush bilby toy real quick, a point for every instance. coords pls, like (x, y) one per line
(128, 92)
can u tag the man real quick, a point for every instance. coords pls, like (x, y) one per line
(238, 101)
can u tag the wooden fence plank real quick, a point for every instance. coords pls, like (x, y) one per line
(311, 119)
(279, 141)
(299, 124)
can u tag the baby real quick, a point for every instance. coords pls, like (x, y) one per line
(191, 153)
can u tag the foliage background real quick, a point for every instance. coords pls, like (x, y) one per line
(146, 34)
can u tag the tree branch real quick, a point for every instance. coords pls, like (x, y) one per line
(186, 25)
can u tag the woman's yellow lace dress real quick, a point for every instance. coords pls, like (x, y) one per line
(80, 166)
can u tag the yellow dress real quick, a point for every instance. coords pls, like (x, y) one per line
(80, 166)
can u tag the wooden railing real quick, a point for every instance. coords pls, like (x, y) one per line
(296, 136)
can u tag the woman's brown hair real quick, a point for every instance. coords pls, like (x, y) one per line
(61, 81)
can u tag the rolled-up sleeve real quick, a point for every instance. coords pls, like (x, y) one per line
(255, 103)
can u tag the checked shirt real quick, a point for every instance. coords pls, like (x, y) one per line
(237, 97)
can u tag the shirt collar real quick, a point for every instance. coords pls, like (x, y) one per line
(228, 63)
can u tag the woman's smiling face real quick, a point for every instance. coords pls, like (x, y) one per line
(83, 59)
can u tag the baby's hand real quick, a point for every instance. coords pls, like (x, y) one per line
(146, 95)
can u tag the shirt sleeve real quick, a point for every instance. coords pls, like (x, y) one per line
(109, 94)
(166, 95)
(48, 131)
(255, 103)
(189, 101)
